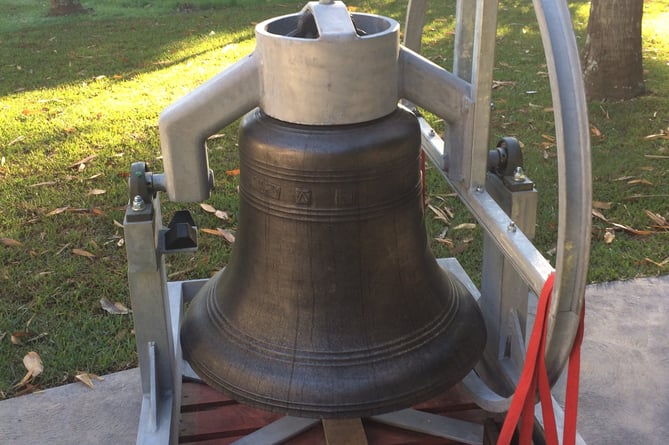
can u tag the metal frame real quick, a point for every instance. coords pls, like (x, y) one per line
(461, 98)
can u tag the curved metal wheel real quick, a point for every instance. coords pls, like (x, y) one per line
(437, 90)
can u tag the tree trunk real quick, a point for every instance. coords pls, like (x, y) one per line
(612, 58)
(67, 7)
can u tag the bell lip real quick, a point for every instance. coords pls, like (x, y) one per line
(430, 382)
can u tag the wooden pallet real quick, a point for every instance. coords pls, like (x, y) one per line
(210, 418)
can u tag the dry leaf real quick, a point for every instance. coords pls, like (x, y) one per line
(214, 232)
(656, 156)
(632, 230)
(599, 215)
(609, 236)
(228, 235)
(57, 211)
(84, 253)
(601, 205)
(662, 263)
(660, 222)
(624, 178)
(97, 212)
(220, 214)
(465, 226)
(83, 161)
(234, 172)
(660, 135)
(87, 378)
(10, 242)
(94, 192)
(16, 337)
(40, 184)
(33, 363)
(439, 213)
(639, 181)
(116, 308)
(207, 208)
(447, 241)
(595, 131)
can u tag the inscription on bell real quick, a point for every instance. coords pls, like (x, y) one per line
(302, 196)
(266, 188)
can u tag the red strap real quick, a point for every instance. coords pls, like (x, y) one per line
(535, 375)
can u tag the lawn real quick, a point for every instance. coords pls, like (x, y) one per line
(80, 98)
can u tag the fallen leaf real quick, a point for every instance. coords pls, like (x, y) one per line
(465, 226)
(97, 175)
(228, 235)
(233, 172)
(601, 205)
(632, 230)
(598, 214)
(87, 378)
(662, 263)
(83, 161)
(97, 212)
(595, 131)
(95, 192)
(639, 196)
(656, 156)
(502, 83)
(40, 184)
(33, 363)
(447, 241)
(639, 181)
(17, 337)
(57, 211)
(15, 140)
(10, 242)
(624, 178)
(84, 253)
(609, 236)
(116, 308)
(220, 214)
(439, 213)
(660, 222)
(653, 137)
(207, 208)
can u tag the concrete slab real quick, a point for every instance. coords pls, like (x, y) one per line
(624, 374)
(75, 414)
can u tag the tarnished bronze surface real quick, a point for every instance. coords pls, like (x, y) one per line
(332, 304)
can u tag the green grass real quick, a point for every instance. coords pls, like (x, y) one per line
(94, 85)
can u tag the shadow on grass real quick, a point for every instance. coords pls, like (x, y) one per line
(52, 55)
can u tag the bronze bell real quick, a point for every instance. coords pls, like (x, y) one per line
(332, 304)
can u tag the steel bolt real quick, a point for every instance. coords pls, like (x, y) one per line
(479, 189)
(138, 204)
(519, 174)
(511, 227)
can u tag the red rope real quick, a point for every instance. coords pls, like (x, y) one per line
(535, 375)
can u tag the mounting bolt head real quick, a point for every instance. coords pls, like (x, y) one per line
(511, 227)
(519, 174)
(138, 204)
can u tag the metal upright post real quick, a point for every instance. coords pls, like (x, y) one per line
(158, 352)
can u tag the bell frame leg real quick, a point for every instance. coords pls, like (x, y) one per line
(158, 352)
